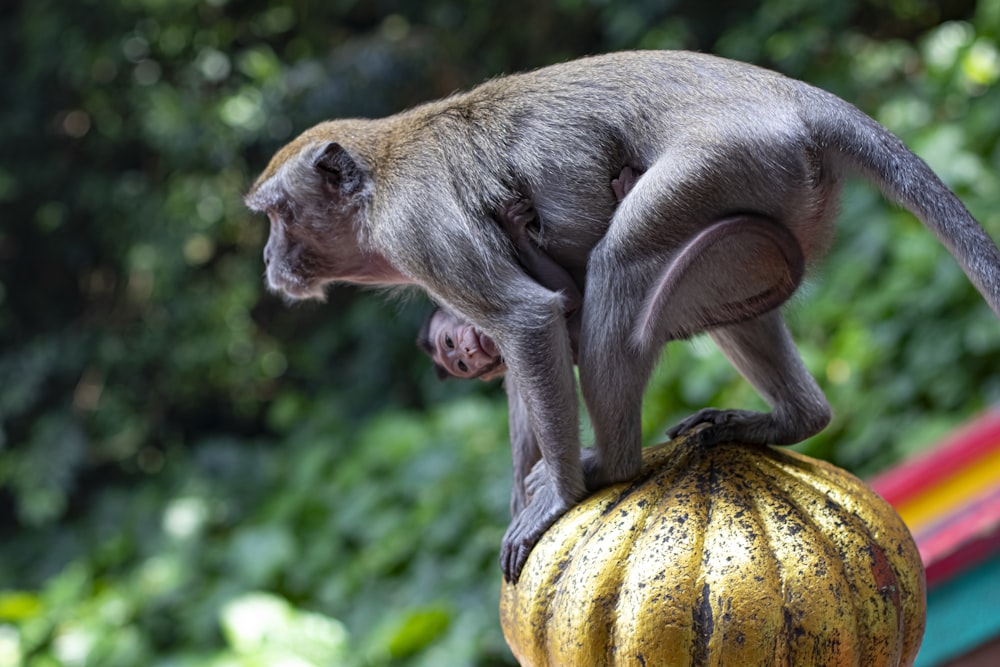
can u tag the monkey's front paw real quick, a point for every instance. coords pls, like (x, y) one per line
(536, 479)
(592, 474)
(543, 509)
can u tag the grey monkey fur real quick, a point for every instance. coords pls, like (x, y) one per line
(408, 200)
(691, 295)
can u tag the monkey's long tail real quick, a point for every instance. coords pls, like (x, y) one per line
(905, 178)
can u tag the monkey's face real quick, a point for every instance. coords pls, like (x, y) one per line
(315, 202)
(299, 261)
(461, 349)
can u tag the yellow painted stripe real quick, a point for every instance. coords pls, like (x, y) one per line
(951, 492)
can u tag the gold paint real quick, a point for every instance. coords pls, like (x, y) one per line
(726, 555)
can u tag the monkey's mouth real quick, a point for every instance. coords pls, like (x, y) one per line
(483, 353)
(293, 287)
(486, 344)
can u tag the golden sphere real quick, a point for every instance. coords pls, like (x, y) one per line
(726, 555)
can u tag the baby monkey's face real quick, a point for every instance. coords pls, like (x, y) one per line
(462, 350)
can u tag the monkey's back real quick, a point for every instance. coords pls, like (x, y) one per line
(567, 129)
(659, 92)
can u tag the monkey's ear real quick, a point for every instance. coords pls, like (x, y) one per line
(339, 168)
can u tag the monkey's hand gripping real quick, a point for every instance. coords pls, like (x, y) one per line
(543, 509)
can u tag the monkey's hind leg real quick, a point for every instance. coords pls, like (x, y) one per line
(735, 269)
(613, 369)
(762, 351)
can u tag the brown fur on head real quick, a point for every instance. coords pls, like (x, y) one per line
(316, 194)
(345, 132)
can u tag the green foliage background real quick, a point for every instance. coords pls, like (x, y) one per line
(193, 474)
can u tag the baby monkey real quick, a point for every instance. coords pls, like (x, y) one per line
(459, 349)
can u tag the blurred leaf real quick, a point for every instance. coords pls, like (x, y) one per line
(19, 605)
(258, 553)
(421, 628)
(264, 631)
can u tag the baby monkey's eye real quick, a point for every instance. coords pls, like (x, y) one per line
(462, 367)
(449, 343)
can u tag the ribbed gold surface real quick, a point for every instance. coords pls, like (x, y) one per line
(730, 555)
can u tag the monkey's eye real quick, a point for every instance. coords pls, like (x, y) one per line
(449, 343)
(462, 367)
(283, 211)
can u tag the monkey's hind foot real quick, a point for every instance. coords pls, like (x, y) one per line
(747, 426)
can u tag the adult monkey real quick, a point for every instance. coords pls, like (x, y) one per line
(406, 200)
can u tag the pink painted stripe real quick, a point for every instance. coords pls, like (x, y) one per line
(972, 553)
(960, 539)
(959, 450)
